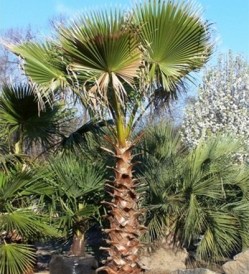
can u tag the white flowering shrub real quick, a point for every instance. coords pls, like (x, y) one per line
(222, 105)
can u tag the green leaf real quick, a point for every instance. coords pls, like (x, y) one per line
(22, 119)
(16, 258)
(102, 51)
(175, 39)
(27, 223)
(42, 63)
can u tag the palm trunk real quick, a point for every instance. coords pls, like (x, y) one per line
(78, 245)
(125, 229)
(19, 144)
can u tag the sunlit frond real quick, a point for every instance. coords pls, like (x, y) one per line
(16, 258)
(175, 39)
(42, 63)
(100, 46)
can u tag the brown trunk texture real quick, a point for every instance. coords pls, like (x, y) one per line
(125, 230)
(78, 246)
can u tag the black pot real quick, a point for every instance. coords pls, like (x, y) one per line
(72, 265)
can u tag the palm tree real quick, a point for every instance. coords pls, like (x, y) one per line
(78, 188)
(21, 219)
(197, 198)
(22, 124)
(119, 64)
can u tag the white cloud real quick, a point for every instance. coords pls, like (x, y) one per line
(65, 10)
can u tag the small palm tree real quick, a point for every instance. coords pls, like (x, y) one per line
(21, 220)
(200, 199)
(21, 121)
(117, 63)
(78, 191)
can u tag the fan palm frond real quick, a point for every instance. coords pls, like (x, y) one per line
(44, 63)
(77, 179)
(16, 258)
(175, 40)
(101, 45)
(21, 118)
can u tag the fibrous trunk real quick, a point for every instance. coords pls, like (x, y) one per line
(78, 245)
(125, 230)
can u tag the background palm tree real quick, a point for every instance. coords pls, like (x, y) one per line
(117, 64)
(78, 184)
(197, 198)
(22, 124)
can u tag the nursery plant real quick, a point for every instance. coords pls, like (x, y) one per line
(119, 63)
(197, 198)
(78, 183)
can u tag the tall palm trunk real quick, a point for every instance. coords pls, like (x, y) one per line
(124, 228)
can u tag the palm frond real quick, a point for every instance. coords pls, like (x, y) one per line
(16, 258)
(103, 53)
(20, 116)
(26, 223)
(42, 63)
(19, 184)
(81, 135)
(75, 179)
(221, 236)
(175, 38)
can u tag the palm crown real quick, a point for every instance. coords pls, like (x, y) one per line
(104, 53)
(21, 123)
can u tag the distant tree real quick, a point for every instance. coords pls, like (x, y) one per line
(58, 21)
(9, 63)
(222, 104)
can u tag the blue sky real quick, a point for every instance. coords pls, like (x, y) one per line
(230, 17)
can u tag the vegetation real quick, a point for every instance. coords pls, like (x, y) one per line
(78, 184)
(222, 103)
(23, 124)
(182, 183)
(22, 219)
(196, 199)
(116, 63)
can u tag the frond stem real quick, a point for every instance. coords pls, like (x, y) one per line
(119, 121)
